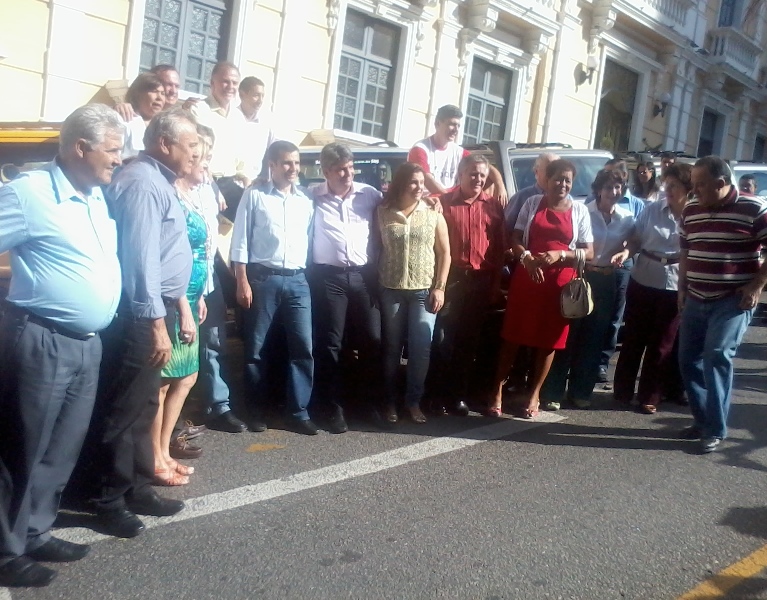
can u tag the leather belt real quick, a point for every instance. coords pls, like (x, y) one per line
(263, 270)
(664, 260)
(603, 270)
(335, 269)
(48, 324)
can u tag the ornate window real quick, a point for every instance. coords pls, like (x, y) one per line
(189, 34)
(366, 75)
(487, 106)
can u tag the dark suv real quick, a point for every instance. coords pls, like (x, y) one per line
(374, 165)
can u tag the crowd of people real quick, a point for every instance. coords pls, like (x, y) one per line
(117, 301)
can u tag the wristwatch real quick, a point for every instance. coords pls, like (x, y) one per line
(524, 254)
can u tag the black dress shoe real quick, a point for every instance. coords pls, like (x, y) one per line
(228, 423)
(119, 522)
(56, 550)
(460, 409)
(23, 571)
(150, 503)
(337, 424)
(305, 427)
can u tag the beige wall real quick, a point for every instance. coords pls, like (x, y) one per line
(59, 54)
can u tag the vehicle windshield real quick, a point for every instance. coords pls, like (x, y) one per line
(761, 178)
(586, 167)
(376, 171)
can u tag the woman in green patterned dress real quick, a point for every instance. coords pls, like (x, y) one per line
(180, 374)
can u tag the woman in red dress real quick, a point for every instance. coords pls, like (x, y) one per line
(548, 231)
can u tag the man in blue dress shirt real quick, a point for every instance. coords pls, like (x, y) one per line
(270, 246)
(156, 261)
(65, 286)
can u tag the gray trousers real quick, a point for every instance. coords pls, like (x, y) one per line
(47, 390)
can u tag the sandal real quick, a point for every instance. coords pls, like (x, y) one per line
(493, 411)
(168, 477)
(649, 409)
(417, 415)
(390, 414)
(179, 468)
(531, 413)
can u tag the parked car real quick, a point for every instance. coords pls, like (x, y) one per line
(23, 146)
(515, 162)
(374, 165)
(26, 146)
(758, 170)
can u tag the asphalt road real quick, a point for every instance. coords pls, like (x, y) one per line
(600, 504)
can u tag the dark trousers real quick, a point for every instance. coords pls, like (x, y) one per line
(622, 277)
(577, 366)
(341, 296)
(125, 409)
(457, 333)
(652, 322)
(47, 389)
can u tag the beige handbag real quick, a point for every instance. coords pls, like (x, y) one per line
(576, 301)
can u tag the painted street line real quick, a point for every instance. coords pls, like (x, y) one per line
(737, 573)
(252, 494)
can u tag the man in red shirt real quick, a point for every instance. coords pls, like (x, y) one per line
(476, 230)
(439, 155)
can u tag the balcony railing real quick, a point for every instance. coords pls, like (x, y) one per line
(731, 47)
(672, 14)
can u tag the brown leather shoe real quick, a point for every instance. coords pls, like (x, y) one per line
(191, 431)
(180, 449)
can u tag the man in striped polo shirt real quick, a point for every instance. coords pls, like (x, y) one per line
(720, 281)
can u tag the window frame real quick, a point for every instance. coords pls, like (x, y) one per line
(487, 98)
(135, 40)
(367, 59)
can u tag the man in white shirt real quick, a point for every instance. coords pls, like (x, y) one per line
(439, 155)
(343, 279)
(258, 134)
(270, 245)
(219, 112)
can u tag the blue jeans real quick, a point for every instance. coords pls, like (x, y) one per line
(579, 361)
(403, 312)
(709, 336)
(622, 277)
(290, 296)
(212, 341)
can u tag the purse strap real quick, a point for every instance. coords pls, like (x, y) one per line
(580, 262)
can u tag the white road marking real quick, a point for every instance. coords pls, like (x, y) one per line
(5, 594)
(259, 492)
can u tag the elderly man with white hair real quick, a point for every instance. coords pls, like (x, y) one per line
(65, 287)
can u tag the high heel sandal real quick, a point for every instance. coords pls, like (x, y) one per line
(168, 477)
(390, 414)
(531, 413)
(179, 468)
(493, 411)
(417, 416)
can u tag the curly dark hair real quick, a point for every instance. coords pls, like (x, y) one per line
(401, 179)
(605, 177)
(682, 172)
(145, 82)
